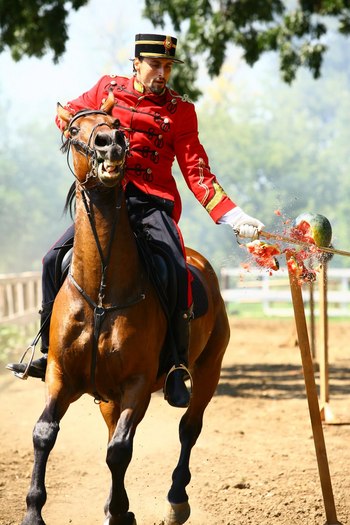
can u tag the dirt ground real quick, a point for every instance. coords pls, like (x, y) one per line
(254, 463)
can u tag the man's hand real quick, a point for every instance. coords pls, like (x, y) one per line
(243, 225)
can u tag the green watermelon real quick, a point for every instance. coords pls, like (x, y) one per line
(313, 227)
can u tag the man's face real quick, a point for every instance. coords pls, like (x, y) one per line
(153, 73)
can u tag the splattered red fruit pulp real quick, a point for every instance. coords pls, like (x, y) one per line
(264, 254)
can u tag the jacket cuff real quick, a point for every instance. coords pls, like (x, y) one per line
(223, 207)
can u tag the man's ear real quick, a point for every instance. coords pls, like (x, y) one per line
(136, 63)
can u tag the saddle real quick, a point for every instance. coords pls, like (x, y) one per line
(161, 271)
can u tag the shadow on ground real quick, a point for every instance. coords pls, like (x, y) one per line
(279, 382)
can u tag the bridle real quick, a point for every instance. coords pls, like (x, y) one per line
(99, 308)
(88, 149)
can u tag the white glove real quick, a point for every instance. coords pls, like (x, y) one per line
(243, 225)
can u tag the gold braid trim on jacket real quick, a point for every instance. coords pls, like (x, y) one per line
(215, 200)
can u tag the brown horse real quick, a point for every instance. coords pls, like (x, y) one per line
(108, 327)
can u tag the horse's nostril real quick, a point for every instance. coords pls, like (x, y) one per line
(109, 146)
(118, 137)
(105, 140)
(102, 140)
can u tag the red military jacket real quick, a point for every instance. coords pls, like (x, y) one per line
(159, 128)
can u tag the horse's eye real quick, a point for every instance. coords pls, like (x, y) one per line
(73, 131)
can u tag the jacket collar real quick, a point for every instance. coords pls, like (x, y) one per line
(140, 88)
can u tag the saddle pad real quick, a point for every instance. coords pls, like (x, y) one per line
(200, 298)
(199, 294)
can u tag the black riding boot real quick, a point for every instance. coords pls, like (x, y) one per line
(38, 367)
(175, 389)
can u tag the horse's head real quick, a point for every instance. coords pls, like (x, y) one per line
(98, 146)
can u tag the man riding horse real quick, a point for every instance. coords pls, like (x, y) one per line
(160, 125)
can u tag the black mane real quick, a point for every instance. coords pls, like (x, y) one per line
(70, 201)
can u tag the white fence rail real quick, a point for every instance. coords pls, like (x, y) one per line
(239, 286)
(20, 296)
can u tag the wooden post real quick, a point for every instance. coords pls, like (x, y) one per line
(312, 321)
(10, 302)
(311, 392)
(327, 414)
(323, 343)
(19, 295)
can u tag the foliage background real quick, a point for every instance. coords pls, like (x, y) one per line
(272, 145)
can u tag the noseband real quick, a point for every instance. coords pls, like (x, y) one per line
(88, 149)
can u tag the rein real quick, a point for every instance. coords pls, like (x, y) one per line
(99, 309)
(104, 260)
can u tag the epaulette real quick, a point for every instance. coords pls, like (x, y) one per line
(184, 98)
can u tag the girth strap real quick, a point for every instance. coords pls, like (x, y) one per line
(99, 315)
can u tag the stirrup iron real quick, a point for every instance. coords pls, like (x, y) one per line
(187, 376)
(24, 375)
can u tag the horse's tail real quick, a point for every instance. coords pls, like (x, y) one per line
(70, 201)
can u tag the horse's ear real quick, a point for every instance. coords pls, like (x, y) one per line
(108, 104)
(63, 114)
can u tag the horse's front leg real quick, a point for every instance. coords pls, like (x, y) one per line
(44, 437)
(119, 454)
(178, 509)
(205, 375)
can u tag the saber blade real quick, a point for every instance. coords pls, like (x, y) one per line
(290, 240)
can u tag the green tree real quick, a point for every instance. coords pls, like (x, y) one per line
(297, 31)
(32, 27)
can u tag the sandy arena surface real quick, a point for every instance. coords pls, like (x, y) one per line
(254, 463)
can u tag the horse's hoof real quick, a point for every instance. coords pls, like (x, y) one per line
(33, 517)
(176, 513)
(128, 519)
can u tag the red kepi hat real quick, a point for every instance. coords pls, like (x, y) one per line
(156, 46)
